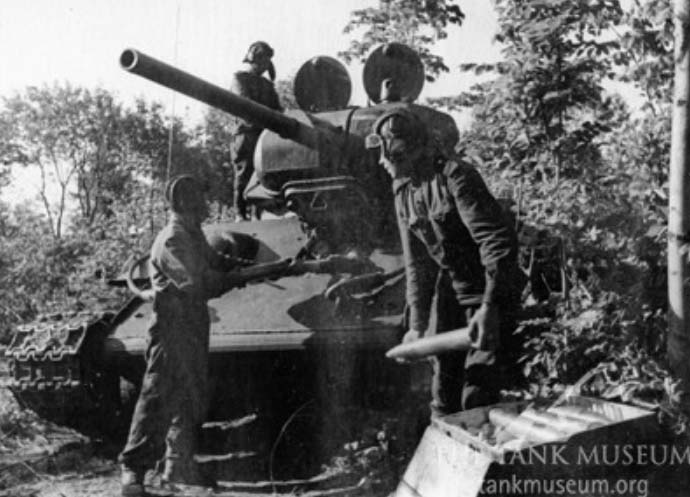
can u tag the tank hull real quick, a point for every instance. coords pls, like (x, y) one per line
(284, 341)
(291, 313)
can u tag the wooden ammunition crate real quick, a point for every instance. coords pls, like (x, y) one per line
(453, 461)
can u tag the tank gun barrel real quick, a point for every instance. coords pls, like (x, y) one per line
(171, 77)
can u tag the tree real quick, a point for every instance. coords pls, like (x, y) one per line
(35, 126)
(158, 148)
(69, 135)
(417, 24)
(91, 147)
(554, 62)
(111, 162)
(216, 133)
(647, 56)
(5, 158)
(679, 209)
(587, 173)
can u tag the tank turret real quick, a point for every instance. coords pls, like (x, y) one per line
(316, 163)
(333, 148)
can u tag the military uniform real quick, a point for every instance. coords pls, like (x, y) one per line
(185, 273)
(245, 134)
(459, 247)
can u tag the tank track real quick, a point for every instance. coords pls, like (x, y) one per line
(50, 364)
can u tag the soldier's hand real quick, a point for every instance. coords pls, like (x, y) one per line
(484, 328)
(411, 336)
(408, 337)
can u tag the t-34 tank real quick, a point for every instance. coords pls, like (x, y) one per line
(293, 340)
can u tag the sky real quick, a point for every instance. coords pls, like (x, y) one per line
(79, 41)
(42, 41)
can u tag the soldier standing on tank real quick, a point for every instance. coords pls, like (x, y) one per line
(458, 247)
(185, 273)
(249, 83)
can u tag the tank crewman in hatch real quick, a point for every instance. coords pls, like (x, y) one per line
(185, 273)
(458, 245)
(249, 83)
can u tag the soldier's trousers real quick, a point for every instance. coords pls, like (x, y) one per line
(463, 380)
(173, 398)
(243, 145)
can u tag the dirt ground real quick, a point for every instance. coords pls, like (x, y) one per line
(61, 482)
(39, 458)
(74, 468)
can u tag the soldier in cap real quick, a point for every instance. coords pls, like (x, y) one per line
(249, 83)
(458, 247)
(185, 273)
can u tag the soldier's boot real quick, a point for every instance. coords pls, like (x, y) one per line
(132, 482)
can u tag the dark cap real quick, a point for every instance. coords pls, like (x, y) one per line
(399, 129)
(258, 50)
(261, 50)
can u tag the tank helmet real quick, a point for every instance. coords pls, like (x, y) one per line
(397, 131)
(260, 50)
(181, 187)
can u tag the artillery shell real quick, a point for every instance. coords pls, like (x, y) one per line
(456, 340)
(516, 444)
(522, 427)
(502, 436)
(560, 423)
(581, 414)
